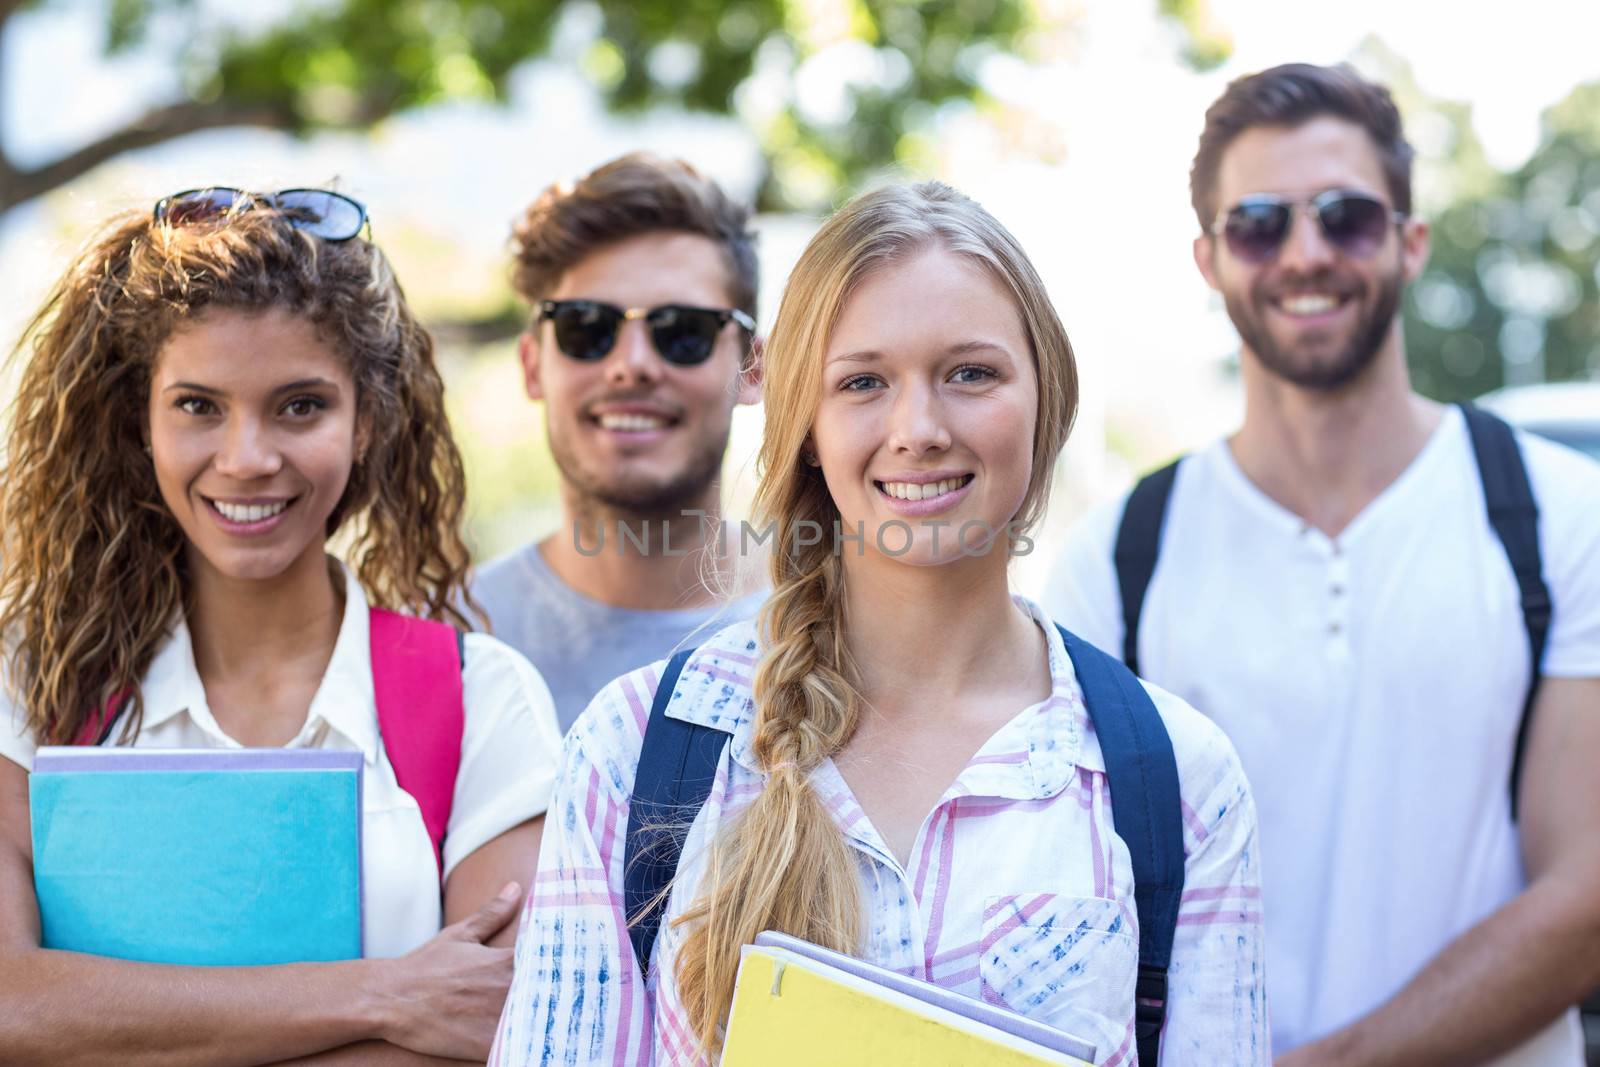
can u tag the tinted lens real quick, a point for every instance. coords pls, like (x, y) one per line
(684, 335)
(328, 215)
(202, 205)
(1353, 223)
(1255, 228)
(585, 330)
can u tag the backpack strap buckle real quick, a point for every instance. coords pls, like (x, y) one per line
(1150, 1001)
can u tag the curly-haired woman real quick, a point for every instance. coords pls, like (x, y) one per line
(208, 395)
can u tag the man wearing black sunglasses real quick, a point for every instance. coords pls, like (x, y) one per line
(1356, 587)
(642, 279)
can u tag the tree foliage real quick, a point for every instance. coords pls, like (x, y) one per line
(1511, 293)
(342, 64)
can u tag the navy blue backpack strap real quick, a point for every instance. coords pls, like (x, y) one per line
(1138, 544)
(677, 764)
(1142, 773)
(1514, 514)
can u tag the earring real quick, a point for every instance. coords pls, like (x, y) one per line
(809, 458)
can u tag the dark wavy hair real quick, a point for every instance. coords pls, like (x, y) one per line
(92, 571)
(635, 194)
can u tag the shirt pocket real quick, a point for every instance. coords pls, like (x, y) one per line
(1068, 962)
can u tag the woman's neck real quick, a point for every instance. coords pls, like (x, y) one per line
(940, 629)
(257, 627)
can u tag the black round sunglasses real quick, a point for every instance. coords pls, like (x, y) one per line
(586, 330)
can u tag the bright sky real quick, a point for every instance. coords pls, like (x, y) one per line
(1108, 224)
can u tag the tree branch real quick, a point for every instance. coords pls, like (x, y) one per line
(475, 333)
(155, 127)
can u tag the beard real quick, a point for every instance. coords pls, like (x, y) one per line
(629, 495)
(1248, 312)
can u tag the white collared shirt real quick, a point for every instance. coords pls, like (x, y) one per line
(1372, 683)
(1018, 892)
(508, 760)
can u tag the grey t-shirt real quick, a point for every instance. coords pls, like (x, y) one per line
(578, 643)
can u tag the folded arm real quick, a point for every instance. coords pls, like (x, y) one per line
(69, 1008)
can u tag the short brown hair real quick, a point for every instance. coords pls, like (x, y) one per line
(1288, 96)
(632, 195)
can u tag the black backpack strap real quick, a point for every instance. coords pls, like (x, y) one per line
(1142, 773)
(1514, 514)
(677, 764)
(1138, 544)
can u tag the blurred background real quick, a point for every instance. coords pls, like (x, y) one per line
(1073, 120)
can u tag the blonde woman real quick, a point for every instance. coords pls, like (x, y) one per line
(209, 393)
(910, 774)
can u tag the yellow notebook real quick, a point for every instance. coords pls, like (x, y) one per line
(797, 1005)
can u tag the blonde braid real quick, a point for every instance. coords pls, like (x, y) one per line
(783, 865)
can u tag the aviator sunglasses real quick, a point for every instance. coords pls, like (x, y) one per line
(1354, 223)
(586, 330)
(328, 215)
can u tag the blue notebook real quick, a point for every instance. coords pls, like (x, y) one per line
(222, 857)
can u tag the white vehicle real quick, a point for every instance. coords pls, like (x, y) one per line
(1568, 412)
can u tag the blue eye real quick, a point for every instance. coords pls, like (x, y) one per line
(858, 384)
(972, 372)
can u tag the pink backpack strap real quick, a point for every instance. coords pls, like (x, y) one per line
(416, 677)
(97, 727)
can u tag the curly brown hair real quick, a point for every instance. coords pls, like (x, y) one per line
(92, 573)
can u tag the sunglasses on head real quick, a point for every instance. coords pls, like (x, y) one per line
(586, 330)
(1354, 223)
(328, 215)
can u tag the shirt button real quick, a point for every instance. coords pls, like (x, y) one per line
(1335, 629)
(1336, 589)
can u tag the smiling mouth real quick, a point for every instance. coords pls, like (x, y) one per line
(249, 514)
(632, 421)
(922, 490)
(1309, 305)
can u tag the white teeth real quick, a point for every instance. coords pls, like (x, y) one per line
(1308, 304)
(249, 512)
(922, 490)
(631, 422)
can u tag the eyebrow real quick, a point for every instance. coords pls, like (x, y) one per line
(287, 387)
(960, 348)
(866, 356)
(968, 347)
(306, 383)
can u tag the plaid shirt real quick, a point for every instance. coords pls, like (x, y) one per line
(984, 908)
